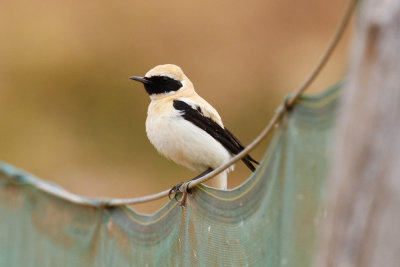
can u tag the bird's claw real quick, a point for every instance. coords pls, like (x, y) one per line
(175, 190)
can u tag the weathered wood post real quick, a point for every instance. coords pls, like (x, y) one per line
(363, 224)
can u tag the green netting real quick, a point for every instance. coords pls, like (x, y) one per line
(270, 220)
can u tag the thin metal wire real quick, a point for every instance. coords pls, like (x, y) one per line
(282, 109)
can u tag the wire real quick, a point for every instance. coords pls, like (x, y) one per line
(282, 109)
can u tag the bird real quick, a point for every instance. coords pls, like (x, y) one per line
(185, 128)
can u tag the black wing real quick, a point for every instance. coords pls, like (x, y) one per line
(222, 135)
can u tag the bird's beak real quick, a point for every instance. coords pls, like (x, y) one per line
(143, 80)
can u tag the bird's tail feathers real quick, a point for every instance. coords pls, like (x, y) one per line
(253, 160)
(247, 160)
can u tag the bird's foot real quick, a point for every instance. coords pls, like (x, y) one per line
(185, 190)
(177, 189)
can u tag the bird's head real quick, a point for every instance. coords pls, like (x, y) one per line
(164, 80)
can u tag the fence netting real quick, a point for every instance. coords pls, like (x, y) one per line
(270, 220)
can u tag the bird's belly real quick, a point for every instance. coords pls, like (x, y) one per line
(185, 143)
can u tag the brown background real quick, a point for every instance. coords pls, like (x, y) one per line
(69, 114)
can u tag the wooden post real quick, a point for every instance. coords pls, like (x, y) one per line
(363, 195)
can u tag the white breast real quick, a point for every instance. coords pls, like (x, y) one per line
(182, 141)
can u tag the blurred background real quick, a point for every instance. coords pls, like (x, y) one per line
(70, 115)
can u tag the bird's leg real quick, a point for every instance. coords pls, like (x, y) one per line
(202, 174)
(177, 188)
(186, 190)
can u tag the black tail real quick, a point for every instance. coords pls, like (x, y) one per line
(248, 161)
(218, 132)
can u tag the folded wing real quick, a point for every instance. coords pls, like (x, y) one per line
(221, 134)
